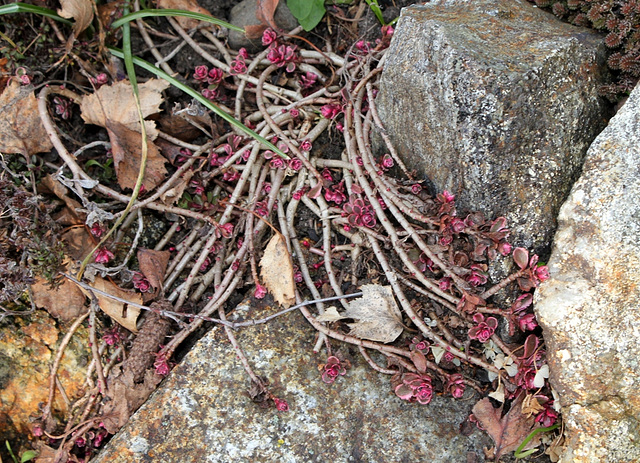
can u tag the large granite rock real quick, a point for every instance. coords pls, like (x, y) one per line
(202, 412)
(496, 102)
(590, 306)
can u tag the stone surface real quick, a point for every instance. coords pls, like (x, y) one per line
(28, 346)
(496, 102)
(202, 412)
(244, 14)
(590, 306)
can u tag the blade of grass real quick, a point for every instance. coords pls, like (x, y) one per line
(204, 101)
(170, 12)
(25, 8)
(129, 66)
(520, 452)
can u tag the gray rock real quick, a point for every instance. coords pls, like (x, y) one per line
(202, 412)
(590, 306)
(244, 14)
(496, 102)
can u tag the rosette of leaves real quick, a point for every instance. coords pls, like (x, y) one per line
(621, 20)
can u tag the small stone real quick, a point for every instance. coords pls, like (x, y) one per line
(244, 14)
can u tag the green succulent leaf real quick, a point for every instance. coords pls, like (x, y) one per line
(308, 12)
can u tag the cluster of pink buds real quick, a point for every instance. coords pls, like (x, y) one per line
(112, 336)
(161, 364)
(260, 291)
(335, 193)
(333, 368)
(62, 107)
(484, 328)
(98, 229)
(279, 54)
(141, 283)
(415, 388)
(103, 256)
(359, 212)
(99, 80)
(281, 404)
(330, 111)
(21, 73)
(308, 80)
(455, 385)
(239, 65)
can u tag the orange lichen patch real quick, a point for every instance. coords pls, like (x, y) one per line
(28, 348)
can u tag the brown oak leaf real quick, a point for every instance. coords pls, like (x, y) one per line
(189, 5)
(508, 431)
(21, 130)
(126, 146)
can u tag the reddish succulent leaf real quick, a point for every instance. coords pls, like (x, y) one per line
(522, 302)
(521, 257)
(530, 345)
(526, 284)
(507, 431)
(499, 224)
(419, 360)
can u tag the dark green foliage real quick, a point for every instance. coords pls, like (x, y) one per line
(621, 20)
(29, 242)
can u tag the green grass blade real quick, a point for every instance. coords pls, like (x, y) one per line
(375, 7)
(169, 12)
(131, 73)
(520, 453)
(205, 102)
(17, 7)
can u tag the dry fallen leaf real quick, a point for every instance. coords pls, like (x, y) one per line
(190, 5)
(277, 271)
(21, 130)
(173, 194)
(125, 316)
(330, 315)
(78, 243)
(507, 431)
(71, 214)
(531, 405)
(116, 103)
(264, 13)
(108, 12)
(64, 303)
(81, 11)
(126, 146)
(153, 265)
(378, 317)
(126, 396)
